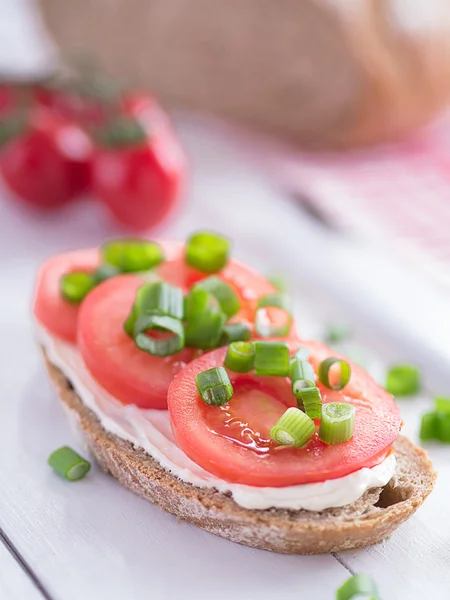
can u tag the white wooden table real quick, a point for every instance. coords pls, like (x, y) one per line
(93, 539)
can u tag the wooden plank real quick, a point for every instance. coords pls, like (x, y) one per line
(14, 582)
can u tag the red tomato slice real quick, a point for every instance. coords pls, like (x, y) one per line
(128, 373)
(131, 375)
(56, 314)
(233, 443)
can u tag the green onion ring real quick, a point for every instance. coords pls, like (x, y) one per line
(324, 372)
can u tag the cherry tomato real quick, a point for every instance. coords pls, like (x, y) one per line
(58, 315)
(49, 163)
(233, 442)
(141, 183)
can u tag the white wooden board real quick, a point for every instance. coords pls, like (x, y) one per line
(14, 583)
(93, 539)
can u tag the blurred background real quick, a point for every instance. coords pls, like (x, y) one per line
(315, 134)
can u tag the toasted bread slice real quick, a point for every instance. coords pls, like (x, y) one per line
(367, 521)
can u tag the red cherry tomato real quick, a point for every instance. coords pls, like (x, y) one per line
(49, 164)
(141, 183)
(54, 312)
(233, 442)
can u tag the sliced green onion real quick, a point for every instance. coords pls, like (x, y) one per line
(69, 464)
(278, 282)
(272, 321)
(76, 285)
(337, 422)
(157, 298)
(435, 426)
(105, 272)
(336, 333)
(443, 427)
(277, 300)
(358, 586)
(240, 357)
(429, 426)
(324, 373)
(200, 301)
(132, 255)
(293, 428)
(207, 252)
(302, 375)
(442, 404)
(235, 332)
(403, 380)
(204, 330)
(224, 294)
(158, 346)
(309, 399)
(302, 353)
(214, 386)
(272, 358)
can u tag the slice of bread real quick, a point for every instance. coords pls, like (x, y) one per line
(370, 520)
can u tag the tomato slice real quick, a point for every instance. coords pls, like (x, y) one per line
(129, 374)
(233, 442)
(56, 314)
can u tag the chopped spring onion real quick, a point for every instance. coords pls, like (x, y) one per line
(132, 255)
(272, 322)
(302, 353)
(69, 464)
(76, 285)
(272, 358)
(199, 301)
(337, 422)
(403, 380)
(309, 399)
(302, 374)
(336, 333)
(105, 272)
(214, 386)
(204, 330)
(278, 282)
(277, 300)
(359, 586)
(224, 294)
(293, 428)
(158, 298)
(274, 315)
(145, 325)
(207, 252)
(324, 373)
(442, 404)
(304, 388)
(235, 332)
(435, 426)
(240, 357)
(429, 426)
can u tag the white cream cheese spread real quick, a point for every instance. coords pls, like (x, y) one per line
(151, 430)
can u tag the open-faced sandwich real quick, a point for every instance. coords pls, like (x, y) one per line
(183, 370)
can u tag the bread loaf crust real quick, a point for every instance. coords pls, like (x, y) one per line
(368, 521)
(324, 73)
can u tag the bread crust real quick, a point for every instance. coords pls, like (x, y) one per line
(368, 521)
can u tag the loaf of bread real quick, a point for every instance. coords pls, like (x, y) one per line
(367, 521)
(323, 73)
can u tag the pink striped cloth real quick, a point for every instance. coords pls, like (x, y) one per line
(397, 194)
